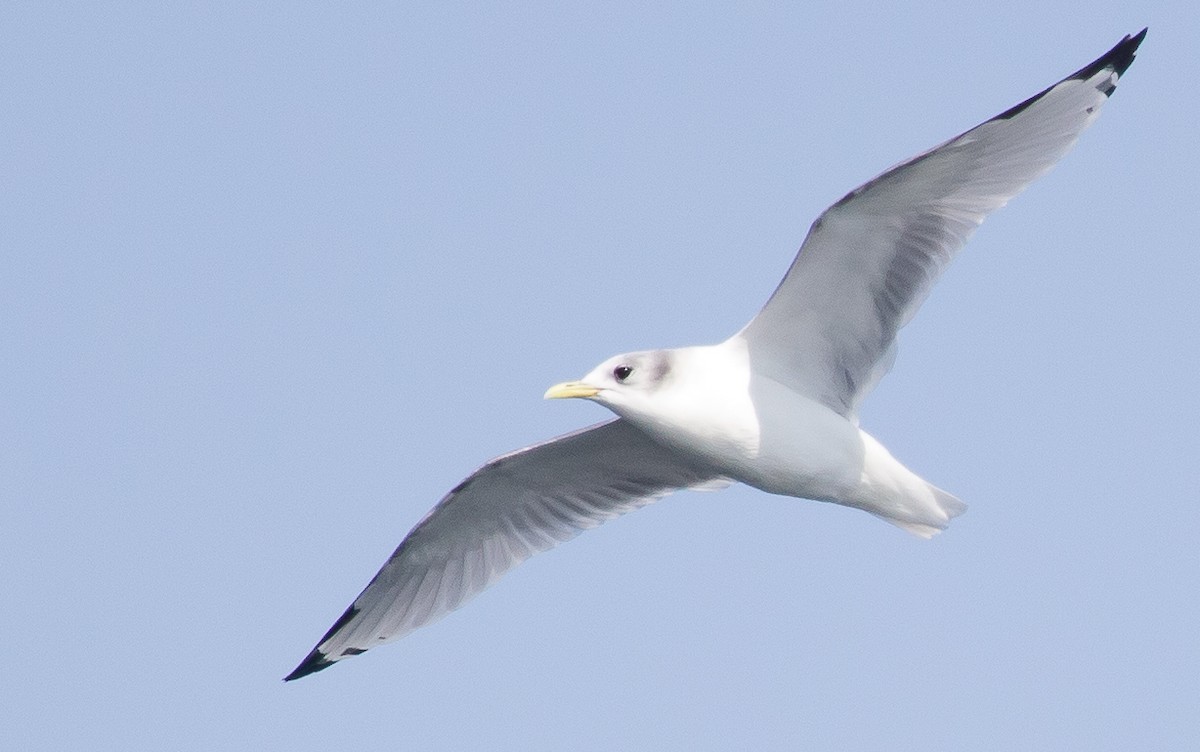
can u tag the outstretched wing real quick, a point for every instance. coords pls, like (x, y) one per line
(513, 507)
(868, 262)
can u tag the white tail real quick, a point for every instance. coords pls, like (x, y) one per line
(892, 492)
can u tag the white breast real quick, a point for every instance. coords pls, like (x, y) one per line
(751, 428)
(804, 448)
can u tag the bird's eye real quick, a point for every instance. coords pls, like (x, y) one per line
(620, 373)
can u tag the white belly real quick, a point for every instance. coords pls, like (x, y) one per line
(760, 433)
(752, 429)
(803, 448)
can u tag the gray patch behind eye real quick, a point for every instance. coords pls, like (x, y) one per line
(659, 367)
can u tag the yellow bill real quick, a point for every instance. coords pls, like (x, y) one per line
(569, 389)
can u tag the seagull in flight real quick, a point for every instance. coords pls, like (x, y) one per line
(774, 406)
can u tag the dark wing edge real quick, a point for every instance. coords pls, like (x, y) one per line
(914, 217)
(1119, 58)
(514, 506)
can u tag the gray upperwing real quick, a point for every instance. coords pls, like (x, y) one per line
(513, 507)
(869, 261)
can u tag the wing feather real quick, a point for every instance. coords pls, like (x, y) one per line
(870, 260)
(511, 508)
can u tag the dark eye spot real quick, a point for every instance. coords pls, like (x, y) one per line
(620, 373)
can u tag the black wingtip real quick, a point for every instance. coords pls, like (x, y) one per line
(1127, 48)
(316, 661)
(1119, 58)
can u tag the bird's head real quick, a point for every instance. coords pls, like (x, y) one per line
(623, 383)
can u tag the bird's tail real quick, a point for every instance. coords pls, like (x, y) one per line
(893, 493)
(944, 508)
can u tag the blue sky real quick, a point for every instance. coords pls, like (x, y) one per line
(274, 278)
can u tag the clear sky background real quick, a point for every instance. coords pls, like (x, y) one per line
(276, 276)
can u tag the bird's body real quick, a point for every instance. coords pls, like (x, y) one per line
(712, 408)
(774, 406)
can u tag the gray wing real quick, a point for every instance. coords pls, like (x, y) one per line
(869, 261)
(513, 507)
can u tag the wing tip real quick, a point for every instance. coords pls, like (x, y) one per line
(1123, 53)
(1119, 58)
(318, 660)
(314, 662)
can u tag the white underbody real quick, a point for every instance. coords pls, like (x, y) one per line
(718, 411)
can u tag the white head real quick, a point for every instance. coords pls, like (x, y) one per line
(623, 383)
